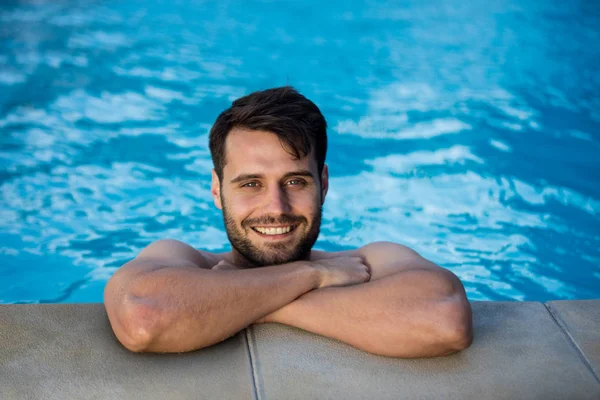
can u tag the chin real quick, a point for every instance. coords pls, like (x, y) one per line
(270, 256)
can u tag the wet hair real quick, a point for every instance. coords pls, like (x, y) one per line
(297, 122)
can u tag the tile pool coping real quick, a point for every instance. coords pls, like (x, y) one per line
(524, 350)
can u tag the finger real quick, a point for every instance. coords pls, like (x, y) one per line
(369, 269)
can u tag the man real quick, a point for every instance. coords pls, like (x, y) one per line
(270, 180)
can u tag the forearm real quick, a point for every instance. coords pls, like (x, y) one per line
(414, 313)
(188, 309)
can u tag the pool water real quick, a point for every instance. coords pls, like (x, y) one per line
(469, 131)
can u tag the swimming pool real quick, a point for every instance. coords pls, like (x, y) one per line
(468, 131)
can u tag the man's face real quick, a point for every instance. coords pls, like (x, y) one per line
(271, 202)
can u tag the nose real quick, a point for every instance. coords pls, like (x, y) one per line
(277, 201)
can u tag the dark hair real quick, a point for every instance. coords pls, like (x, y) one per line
(297, 122)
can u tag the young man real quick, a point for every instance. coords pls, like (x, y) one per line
(270, 180)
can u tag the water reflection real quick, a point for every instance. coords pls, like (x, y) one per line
(465, 132)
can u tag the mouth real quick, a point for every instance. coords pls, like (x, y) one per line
(274, 232)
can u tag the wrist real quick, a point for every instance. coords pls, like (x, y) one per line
(314, 271)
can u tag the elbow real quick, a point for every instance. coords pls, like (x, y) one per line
(135, 327)
(456, 329)
(137, 338)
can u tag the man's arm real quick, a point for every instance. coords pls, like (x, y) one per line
(410, 308)
(168, 300)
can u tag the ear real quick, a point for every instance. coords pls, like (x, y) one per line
(324, 183)
(215, 190)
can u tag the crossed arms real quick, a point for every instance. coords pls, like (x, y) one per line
(169, 300)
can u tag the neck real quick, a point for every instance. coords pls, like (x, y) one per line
(236, 258)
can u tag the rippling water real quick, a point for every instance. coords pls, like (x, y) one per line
(468, 131)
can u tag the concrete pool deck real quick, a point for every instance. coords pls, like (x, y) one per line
(521, 350)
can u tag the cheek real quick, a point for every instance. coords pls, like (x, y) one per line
(305, 203)
(239, 208)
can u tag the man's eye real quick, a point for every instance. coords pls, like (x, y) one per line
(296, 182)
(250, 184)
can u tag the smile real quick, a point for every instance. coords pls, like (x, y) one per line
(274, 230)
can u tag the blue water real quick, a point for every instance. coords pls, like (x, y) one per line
(469, 131)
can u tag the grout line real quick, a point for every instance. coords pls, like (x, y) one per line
(253, 368)
(563, 327)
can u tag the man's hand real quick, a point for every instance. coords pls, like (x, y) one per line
(342, 271)
(335, 271)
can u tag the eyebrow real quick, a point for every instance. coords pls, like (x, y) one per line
(245, 177)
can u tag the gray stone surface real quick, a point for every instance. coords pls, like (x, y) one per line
(519, 352)
(581, 320)
(68, 351)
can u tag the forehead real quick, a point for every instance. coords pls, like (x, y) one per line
(249, 151)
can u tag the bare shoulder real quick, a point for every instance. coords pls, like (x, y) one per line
(394, 252)
(171, 250)
(384, 249)
(316, 255)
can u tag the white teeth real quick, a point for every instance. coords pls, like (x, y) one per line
(274, 231)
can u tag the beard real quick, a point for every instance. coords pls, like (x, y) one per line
(273, 253)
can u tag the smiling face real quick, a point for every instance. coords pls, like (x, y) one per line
(271, 202)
